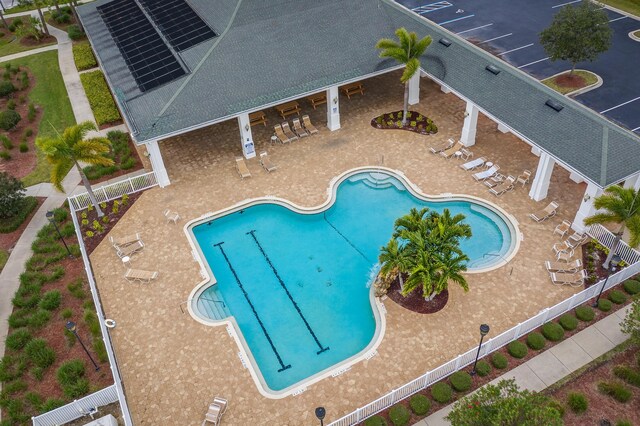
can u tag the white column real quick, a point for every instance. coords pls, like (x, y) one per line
(248, 149)
(468, 137)
(503, 128)
(333, 108)
(576, 177)
(536, 151)
(445, 89)
(414, 89)
(540, 184)
(633, 182)
(158, 165)
(586, 207)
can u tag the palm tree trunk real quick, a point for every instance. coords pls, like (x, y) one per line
(87, 186)
(75, 15)
(401, 281)
(614, 248)
(406, 104)
(56, 3)
(573, 68)
(4, 21)
(44, 23)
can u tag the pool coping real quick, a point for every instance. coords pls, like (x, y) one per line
(379, 311)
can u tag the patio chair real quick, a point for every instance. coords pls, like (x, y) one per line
(127, 251)
(565, 256)
(171, 216)
(306, 122)
(242, 168)
(439, 148)
(545, 213)
(287, 131)
(124, 241)
(473, 164)
(562, 246)
(266, 163)
(563, 266)
(465, 154)
(298, 129)
(504, 186)
(524, 178)
(450, 152)
(216, 409)
(494, 180)
(480, 176)
(563, 228)
(575, 279)
(280, 134)
(139, 275)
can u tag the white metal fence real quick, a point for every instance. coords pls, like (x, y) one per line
(606, 238)
(115, 190)
(78, 408)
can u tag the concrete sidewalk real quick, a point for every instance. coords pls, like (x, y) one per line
(557, 362)
(28, 53)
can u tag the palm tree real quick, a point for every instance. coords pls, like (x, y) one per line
(39, 4)
(392, 262)
(432, 270)
(407, 50)
(621, 206)
(70, 149)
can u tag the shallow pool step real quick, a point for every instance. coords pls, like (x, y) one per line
(210, 305)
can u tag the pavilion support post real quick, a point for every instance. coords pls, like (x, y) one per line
(333, 108)
(414, 89)
(158, 165)
(540, 184)
(586, 207)
(248, 149)
(445, 89)
(536, 151)
(470, 125)
(502, 128)
(633, 182)
(576, 177)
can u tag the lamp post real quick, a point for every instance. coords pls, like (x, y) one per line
(50, 218)
(71, 326)
(613, 265)
(484, 330)
(320, 413)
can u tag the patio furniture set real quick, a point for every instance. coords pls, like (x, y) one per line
(284, 134)
(265, 162)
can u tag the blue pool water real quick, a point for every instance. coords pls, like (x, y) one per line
(298, 284)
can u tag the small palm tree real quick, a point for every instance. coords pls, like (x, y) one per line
(407, 50)
(393, 263)
(433, 270)
(621, 206)
(70, 149)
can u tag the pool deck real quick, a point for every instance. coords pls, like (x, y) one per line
(173, 366)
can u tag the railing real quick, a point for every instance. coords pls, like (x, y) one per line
(115, 190)
(607, 238)
(489, 346)
(81, 407)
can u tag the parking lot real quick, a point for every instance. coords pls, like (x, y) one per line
(510, 30)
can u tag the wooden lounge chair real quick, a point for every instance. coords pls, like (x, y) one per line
(565, 256)
(563, 228)
(306, 122)
(266, 163)
(563, 266)
(439, 148)
(280, 134)
(484, 175)
(524, 178)
(171, 216)
(139, 275)
(287, 131)
(129, 249)
(242, 168)
(545, 213)
(449, 152)
(298, 129)
(473, 164)
(124, 241)
(575, 279)
(504, 186)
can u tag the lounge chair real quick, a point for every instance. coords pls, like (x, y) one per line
(563, 266)
(465, 154)
(480, 176)
(298, 129)
(266, 163)
(575, 279)
(171, 216)
(577, 237)
(562, 246)
(280, 134)
(524, 178)
(216, 409)
(563, 228)
(287, 131)
(473, 164)
(127, 251)
(565, 256)
(450, 152)
(504, 186)
(494, 180)
(139, 275)
(242, 168)
(124, 241)
(306, 122)
(545, 213)
(439, 148)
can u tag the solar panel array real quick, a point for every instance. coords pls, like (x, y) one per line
(178, 22)
(149, 59)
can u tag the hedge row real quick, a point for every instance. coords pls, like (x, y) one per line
(102, 103)
(83, 56)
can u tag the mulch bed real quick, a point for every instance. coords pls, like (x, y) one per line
(29, 41)
(8, 241)
(594, 267)
(393, 121)
(415, 301)
(138, 165)
(574, 81)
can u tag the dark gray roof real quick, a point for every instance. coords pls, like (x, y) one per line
(273, 50)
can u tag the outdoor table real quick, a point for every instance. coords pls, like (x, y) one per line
(288, 109)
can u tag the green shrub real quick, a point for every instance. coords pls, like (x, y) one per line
(39, 318)
(37, 373)
(18, 339)
(6, 88)
(91, 318)
(70, 375)
(66, 313)
(14, 387)
(617, 391)
(553, 331)
(631, 287)
(51, 404)
(40, 353)
(577, 402)
(24, 147)
(50, 300)
(419, 404)
(11, 368)
(6, 142)
(399, 415)
(499, 361)
(441, 392)
(461, 381)
(9, 119)
(28, 132)
(83, 56)
(483, 368)
(5, 155)
(535, 341)
(585, 313)
(31, 114)
(11, 105)
(375, 421)
(568, 322)
(627, 374)
(517, 349)
(34, 399)
(617, 297)
(128, 163)
(75, 288)
(102, 103)
(557, 405)
(61, 17)
(74, 32)
(101, 350)
(19, 319)
(624, 423)
(604, 305)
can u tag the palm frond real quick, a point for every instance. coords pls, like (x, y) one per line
(387, 43)
(396, 53)
(412, 66)
(601, 218)
(633, 224)
(58, 173)
(404, 38)
(421, 46)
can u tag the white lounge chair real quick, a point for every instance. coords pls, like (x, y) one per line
(139, 275)
(242, 168)
(565, 256)
(130, 249)
(480, 176)
(124, 241)
(575, 279)
(216, 409)
(545, 213)
(563, 228)
(494, 180)
(573, 266)
(266, 163)
(465, 154)
(171, 216)
(504, 186)
(473, 164)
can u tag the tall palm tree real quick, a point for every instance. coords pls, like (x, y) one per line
(407, 51)
(71, 148)
(39, 4)
(621, 206)
(393, 262)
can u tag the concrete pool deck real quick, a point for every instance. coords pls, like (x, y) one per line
(173, 366)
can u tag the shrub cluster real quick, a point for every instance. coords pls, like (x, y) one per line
(441, 392)
(83, 56)
(536, 341)
(18, 339)
(557, 405)
(577, 402)
(6, 88)
(568, 322)
(552, 331)
(62, 16)
(399, 415)
(122, 156)
(585, 313)
(420, 404)
(102, 103)
(9, 119)
(617, 391)
(74, 32)
(71, 378)
(627, 374)
(40, 353)
(517, 349)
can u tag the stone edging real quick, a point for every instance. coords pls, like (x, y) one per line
(582, 90)
(632, 36)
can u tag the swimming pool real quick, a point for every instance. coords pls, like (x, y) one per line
(296, 282)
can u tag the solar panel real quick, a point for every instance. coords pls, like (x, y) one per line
(149, 59)
(178, 22)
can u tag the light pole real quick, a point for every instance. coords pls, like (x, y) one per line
(71, 326)
(50, 218)
(320, 413)
(484, 330)
(615, 261)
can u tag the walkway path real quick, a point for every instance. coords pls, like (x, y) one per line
(559, 361)
(8, 58)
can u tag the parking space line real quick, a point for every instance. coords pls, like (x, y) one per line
(431, 7)
(618, 106)
(457, 19)
(637, 128)
(496, 38)
(534, 62)
(513, 50)
(476, 28)
(564, 4)
(617, 19)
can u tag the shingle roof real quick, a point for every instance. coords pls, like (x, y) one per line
(280, 49)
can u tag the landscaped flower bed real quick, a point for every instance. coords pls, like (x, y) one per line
(416, 122)
(124, 155)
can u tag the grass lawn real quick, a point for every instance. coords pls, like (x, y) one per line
(630, 6)
(4, 256)
(50, 94)
(9, 45)
(589, 77)
(637, 33)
